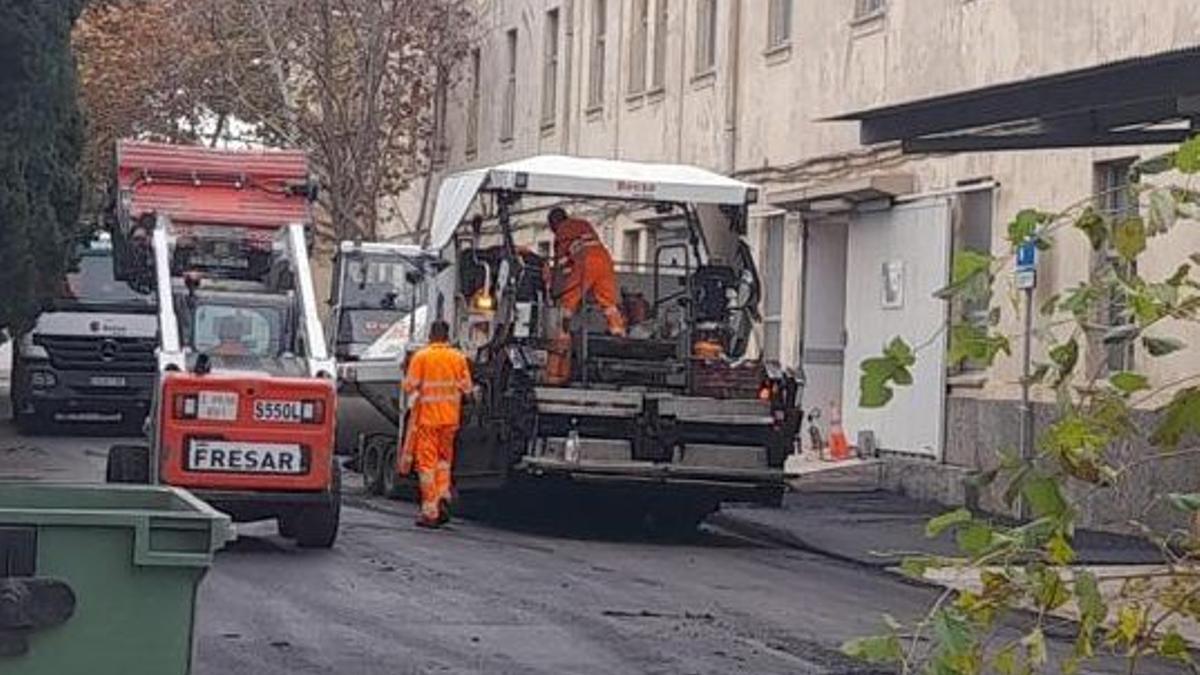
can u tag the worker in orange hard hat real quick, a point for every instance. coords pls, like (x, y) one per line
(437, 379)
(585, 267)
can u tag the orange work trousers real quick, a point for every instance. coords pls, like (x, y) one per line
(592, 272)
(433, 454)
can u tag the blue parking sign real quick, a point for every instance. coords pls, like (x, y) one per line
(1027, 255)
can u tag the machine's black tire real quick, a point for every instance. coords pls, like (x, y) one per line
(128, 464)
(287, 526)
(317, 526)
(391, 485)
(372, 464)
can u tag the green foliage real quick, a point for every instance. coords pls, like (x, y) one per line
(1092, 224)
(969, 342)
(1180, 419)
(947, 520)
(1187, 157)
(1189, 503)
(1128, 383)
(882, 649)
(879, 374)
(915, 567)
(1080, 300)
(1173, 647)
(40, 143)
(1093, 611)
(1065, 356)
(1045, 497)
(1129, 238)
(1162, 212)
(975, 539)
(970, 276)
(1059, 550)
(1032, 565)
(1027, 225)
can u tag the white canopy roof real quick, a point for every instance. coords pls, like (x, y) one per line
(585, 177)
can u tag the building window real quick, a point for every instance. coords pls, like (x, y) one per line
(638, 45)
(1116, 202)
(550, 70)
(866, 9)
(441, 104)
(658, 79)
(473, 105)
(706, 36)
(973, 232)
(779, 24)
(773, 248)
(631, 246)
(596, 74)
(508, 121)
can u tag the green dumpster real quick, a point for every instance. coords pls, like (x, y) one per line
(102, 578)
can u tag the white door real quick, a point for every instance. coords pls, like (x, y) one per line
(824, 316)
(896, 260)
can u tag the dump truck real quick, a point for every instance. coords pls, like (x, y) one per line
(245, 403)
(678, 416)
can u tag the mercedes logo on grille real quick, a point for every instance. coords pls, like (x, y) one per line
(109, 349)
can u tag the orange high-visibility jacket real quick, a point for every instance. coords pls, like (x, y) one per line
(572, 238)
(438, 376)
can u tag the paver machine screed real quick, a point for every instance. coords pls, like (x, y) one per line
(245, 407)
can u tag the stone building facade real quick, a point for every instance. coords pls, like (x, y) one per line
(851, 240)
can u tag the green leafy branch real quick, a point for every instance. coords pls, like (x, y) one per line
(1025, 571)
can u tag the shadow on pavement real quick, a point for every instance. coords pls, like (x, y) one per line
(591, 517)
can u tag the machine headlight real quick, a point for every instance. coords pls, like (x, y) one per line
(42, 379)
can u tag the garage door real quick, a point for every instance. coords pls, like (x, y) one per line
(896, 260)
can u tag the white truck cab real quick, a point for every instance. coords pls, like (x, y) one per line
(90, 357)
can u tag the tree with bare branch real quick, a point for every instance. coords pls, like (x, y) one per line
(354, 83)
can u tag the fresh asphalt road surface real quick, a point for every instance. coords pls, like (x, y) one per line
(486, 597)
(481, 599)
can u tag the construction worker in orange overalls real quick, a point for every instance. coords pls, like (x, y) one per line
(584, 266)
(437, 379)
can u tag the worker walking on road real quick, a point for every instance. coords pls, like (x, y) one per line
(437, 379)
(585, 267)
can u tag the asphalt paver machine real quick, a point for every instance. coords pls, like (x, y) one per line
(674, 418)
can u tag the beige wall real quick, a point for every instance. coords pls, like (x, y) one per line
(757, 115)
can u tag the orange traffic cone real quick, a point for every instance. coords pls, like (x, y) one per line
(839, 448)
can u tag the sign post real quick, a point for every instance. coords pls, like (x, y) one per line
(1026, 280)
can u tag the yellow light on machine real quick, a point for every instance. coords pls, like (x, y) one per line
(483, 301)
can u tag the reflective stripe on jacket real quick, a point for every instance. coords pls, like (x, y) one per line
(437, 378)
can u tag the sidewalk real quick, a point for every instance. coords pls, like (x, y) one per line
(874, 528)
(861, 525)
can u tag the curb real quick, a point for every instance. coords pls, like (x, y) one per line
(781, 536)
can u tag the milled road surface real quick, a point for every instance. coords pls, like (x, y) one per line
(488, 597)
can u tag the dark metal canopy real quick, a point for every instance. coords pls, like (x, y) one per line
(1143, 101)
